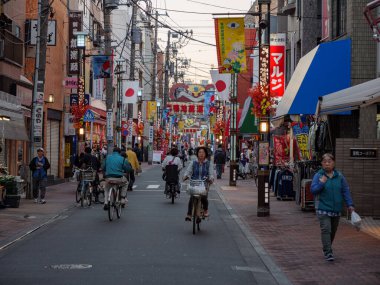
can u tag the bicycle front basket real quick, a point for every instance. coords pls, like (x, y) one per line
(197, 187)
(88, 175)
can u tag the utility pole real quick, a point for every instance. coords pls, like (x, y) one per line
(133, 45)
(36, 130)
(167, 67)
(154, 75)
(109, 88)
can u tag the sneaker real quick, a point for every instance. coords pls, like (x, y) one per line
(36, 201)
(43, 201)
(329, 257)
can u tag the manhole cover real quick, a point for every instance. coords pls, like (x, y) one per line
(70, 266)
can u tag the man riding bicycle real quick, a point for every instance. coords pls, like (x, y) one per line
(114, 168)
(89, 160)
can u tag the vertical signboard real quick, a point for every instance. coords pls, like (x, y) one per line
(38, 118)
(75, 25)
(325, 19)
(277, 64)
(151, 130)
(109, 126)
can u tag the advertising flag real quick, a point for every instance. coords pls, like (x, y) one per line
(277, 64)
(209, 99)
(130, 89)
(101, 66)
(151, 110)
(230, 45)
(222, 84)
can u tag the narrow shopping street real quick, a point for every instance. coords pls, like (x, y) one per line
(152, 243)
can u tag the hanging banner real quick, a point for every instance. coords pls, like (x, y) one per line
(151, 110)
(130, 90)
(222, 84)
(301, 133)
(38, 117)
(277, 64)
(75, 25)
(280, 150)
(97, 88)
(209, 100)
(101, 66)
(230, 45)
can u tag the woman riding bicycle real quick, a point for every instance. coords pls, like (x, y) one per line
(199, 170)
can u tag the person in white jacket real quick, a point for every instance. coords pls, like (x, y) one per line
(172, 159)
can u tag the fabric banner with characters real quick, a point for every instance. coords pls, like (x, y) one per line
(230, 45)
(151, 110)
(209, 102)
(301, 133)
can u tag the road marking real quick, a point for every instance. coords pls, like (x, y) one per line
(134, 186)
(246, 268)
(152, 186)
(71, 266)
(228, 188)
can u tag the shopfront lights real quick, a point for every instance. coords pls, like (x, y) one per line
(220, 137)
(4, 118)
(81, 131)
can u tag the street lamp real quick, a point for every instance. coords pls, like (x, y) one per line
(264, 126)
(81, 44)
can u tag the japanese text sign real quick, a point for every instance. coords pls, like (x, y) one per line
(277, 64)
(75, 25)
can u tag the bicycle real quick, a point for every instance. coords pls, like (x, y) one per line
(197, 189)
(114, 198)
(85, 187)
(171, 185)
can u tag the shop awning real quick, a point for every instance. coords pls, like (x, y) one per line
(351, 98)
(13, 130)
(325, 69)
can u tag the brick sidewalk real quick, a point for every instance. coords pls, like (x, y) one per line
(292, 238)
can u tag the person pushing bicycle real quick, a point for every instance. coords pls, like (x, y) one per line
(115, 167)
(198, 170)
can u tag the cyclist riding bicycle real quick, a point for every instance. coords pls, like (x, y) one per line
(115, 167)
(89, 160)
(199, 170)
(172, 159)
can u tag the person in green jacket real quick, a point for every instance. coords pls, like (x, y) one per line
(330, 188)
(115, 167)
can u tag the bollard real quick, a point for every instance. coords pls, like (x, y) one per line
(263, 198)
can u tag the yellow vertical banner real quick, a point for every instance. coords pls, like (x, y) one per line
(212, 120)
(151, 110)
(181, 126)
(230, 45)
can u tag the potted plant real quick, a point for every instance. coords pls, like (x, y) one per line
(11, 198)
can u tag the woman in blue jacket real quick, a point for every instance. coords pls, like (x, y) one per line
(330, 188)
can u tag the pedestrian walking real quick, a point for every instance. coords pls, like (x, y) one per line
(39, 166)
(219, 161)
(330, 188)
(132, 158)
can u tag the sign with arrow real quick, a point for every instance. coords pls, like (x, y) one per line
(88, 116)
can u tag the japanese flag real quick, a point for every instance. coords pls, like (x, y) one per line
(222, 82)
(130, 89)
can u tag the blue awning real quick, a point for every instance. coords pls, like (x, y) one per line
(324, 70)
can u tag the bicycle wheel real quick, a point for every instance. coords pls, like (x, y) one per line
(111, 204)
(100, 194)
(77, 194)
(89, 195)
(118, 204)
(82, 195)
(172, 192)
(194, 213)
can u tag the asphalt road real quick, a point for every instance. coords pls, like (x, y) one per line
(150, 244)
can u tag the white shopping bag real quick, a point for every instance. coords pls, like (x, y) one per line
(356, 220)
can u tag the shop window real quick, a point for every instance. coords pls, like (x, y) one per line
(339, 18)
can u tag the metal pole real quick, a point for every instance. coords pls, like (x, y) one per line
(92, 124)
(154, 75)
(133, 46)
(233, 131)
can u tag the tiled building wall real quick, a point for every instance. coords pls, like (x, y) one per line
(363, 46)
(362, 175)
(311, 25)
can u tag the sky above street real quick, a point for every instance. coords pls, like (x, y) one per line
(196, 15)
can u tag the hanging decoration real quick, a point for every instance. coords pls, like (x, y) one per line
(262, 101)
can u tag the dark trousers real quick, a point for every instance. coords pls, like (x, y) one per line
(131, 179)
(39, 185)
(204, 202)
(329, 226)
(219, 170)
